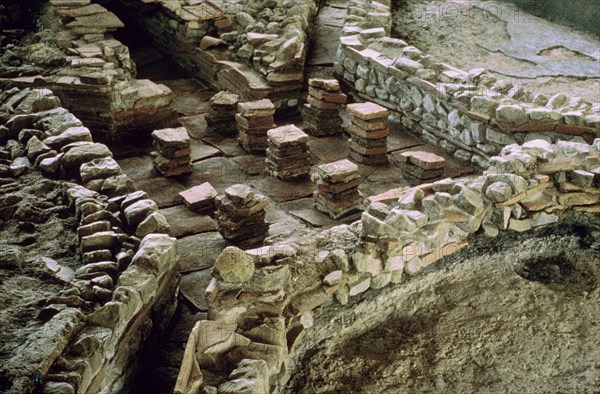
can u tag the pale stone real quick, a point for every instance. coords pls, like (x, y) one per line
(333, 278)
(366, 259)
(258, 108)
(156, 222)
(520, 225)
(234, 265)
(100, 168)
(498, 191)
(543, 218)
(137, 212)
(359, 286)
(512, 113)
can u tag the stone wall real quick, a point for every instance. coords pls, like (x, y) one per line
(471, 114)
(262, 300)
(126, 284)
(95, 77)
(255, 49)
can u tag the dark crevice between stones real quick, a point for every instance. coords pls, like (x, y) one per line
(150, 62)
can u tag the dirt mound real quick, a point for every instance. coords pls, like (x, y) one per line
(514, 314)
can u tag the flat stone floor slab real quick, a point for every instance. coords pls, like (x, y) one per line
(251, 164)
(193, 288)
(220, 172)
(199, 251)
(401, 140)
(185, 222)
(195, 125)
(165, 191)
(284, 191)
(201, 151)
(328, 149)
(229, 146)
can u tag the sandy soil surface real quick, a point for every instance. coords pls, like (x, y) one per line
(456, 32)
(518, 314)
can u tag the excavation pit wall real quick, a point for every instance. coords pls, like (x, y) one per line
(97, 80)
(261, 301)
(470, 114)
(254, 49)
(123, 240)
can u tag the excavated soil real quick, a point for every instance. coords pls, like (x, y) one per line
(34, 220)
(520, 313)
(457, 31)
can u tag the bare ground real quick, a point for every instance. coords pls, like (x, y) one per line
(516, 314)
(455, 32)
(34, 220)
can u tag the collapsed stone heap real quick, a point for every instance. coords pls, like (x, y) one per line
(91, 72)
(287, 155)
(90, 333)
(241, 215)
(321, 114)
(254, 119)
(172, 157)
(420, 167)
(337, 194)
(221, 113)
(368, 131)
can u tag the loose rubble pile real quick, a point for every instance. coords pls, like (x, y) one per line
(337, 194)
(172, 157)
(93, 330)
(241, 215)
(254, 119)
(254, 49)
(321, 114)
(220, 118)
(287, 155)
(77, 57)
(419, 167)
(368, 131)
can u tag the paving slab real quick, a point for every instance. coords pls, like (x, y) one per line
(284, 191)
(193, 288)
(201, 151)
(162, 190)
(192, 103)
(229, 146)
(287, 230)
(220, 172)
(200, 251)
(184, 85)
(251, 164)
(195, 125)
(400, 140)
(184, 222)
(328, 149)
(138, 167)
